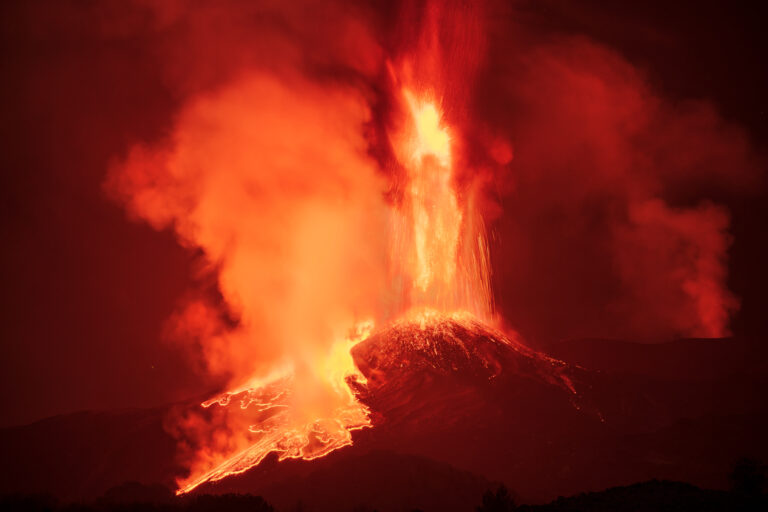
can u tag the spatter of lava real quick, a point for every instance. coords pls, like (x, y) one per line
(446, 344)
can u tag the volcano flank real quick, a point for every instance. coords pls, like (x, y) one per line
(456, 406)
(452, 388)
(438, 353)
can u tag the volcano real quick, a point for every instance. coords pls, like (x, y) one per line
(336, 255)
(452, 389)
(456, 407)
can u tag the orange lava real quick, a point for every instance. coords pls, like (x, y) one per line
(287, 424)
(439, 244)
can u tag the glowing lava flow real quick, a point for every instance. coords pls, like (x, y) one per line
(285, 423)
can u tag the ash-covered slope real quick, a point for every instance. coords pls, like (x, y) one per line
(454, 389)
(444, 370)
(456, 345)
(82, 455)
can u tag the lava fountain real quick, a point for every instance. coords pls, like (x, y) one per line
(438, 244)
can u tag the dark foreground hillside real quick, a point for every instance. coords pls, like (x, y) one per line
(652, 496)
(656, 496)
(445, 432)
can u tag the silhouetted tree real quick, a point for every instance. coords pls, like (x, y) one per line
(28, 503)
(499, 501)
(135, 492)
(228, 503)
(748, 477)
(363, 508)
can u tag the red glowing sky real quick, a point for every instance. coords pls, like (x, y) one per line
(636, 138)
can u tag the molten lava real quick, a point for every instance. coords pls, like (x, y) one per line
(288, 424)
(439, 246)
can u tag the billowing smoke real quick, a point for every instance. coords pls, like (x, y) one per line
(267, 173)
(604, 225)
(270, 178)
